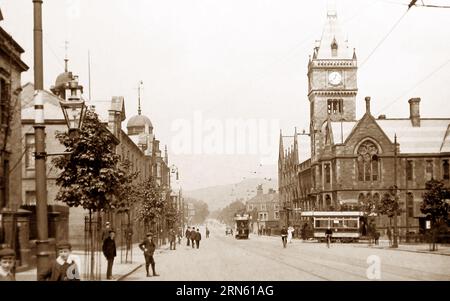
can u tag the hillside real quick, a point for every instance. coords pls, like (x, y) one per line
(218, 197)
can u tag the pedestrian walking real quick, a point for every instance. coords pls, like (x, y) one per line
(198, 237)
(188, 235)
(328, 234)
(179, 235)
(66, 266)
(192, 236)
(148, 247)
(207, 232)
(7, 259)
(284, 234)
(290, 230)
(109, 250)
(172, 239)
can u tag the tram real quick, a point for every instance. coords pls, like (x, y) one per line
(242, 225)
(346, 225)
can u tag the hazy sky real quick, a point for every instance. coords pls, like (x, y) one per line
(207, 63)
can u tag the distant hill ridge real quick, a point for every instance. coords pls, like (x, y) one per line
(220, 196)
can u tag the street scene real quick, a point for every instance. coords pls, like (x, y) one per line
(198, 140)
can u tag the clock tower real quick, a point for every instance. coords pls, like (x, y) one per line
(332, 81)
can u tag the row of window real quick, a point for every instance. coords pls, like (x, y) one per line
(369, 167)
(262, 207)
(264, 216)
(429, 170)
(335, 106)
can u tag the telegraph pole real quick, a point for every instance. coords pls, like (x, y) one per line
(40, 154)
(395, 243)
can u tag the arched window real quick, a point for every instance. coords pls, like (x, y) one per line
(410, 204)
(368, 164)
(327, 201)
(376, 199)
(361, 199)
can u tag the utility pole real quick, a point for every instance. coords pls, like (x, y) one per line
(395, 243)
(40, 154)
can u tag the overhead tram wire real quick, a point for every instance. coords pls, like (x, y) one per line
(429, 75)
(287, 57)
(383, 39)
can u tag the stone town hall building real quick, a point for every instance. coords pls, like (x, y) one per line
(343, 161)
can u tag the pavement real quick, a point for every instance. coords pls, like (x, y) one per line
(120, 270)
(262, 258)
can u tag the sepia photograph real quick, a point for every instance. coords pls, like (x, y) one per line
(234, 142)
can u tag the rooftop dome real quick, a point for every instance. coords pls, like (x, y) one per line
(63, 78)
(138, 121)
(137, 125)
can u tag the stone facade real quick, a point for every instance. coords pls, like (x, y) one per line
(13, 221)
(264, 209)
(353, 161)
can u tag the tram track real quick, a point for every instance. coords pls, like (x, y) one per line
(407, 274)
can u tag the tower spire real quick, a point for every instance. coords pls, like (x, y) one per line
(66, 59)
(139, 97)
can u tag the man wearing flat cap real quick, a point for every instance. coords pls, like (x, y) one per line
(148, 246)
(7, 258)
(65, 267)
(109, 250)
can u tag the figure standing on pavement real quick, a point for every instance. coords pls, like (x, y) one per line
(328, 234)
(179, 235)
(188, 235)
(284, 234)
(207, 232)
(65, 267)
(290, 230)
(148, 246)
(109, 250)
(7, 259)
(172, 239)
(192, 237)
(198, 237)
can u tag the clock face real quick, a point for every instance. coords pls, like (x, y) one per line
(335, 78)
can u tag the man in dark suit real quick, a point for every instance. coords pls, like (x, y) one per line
(148, 246)
(188, 235)
(109, 250)
(192, 237)
(198, 237)
(172, 239)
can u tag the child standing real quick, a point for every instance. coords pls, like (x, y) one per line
(7, 258)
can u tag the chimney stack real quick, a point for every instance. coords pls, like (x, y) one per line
(367, 104)
(414, 111)
(259, 190)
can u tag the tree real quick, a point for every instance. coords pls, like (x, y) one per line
(435, 206)
(90, 177)
(129, 192)
(201, 212)
(127, 197)
(152, 203)
(172, 215)
(389, 206)
(227, 214)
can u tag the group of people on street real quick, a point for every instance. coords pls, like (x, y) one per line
(286, 235)
(64, 268)
(193, 237)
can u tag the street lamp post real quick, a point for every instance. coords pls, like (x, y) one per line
(39, 136)
(73, 110)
